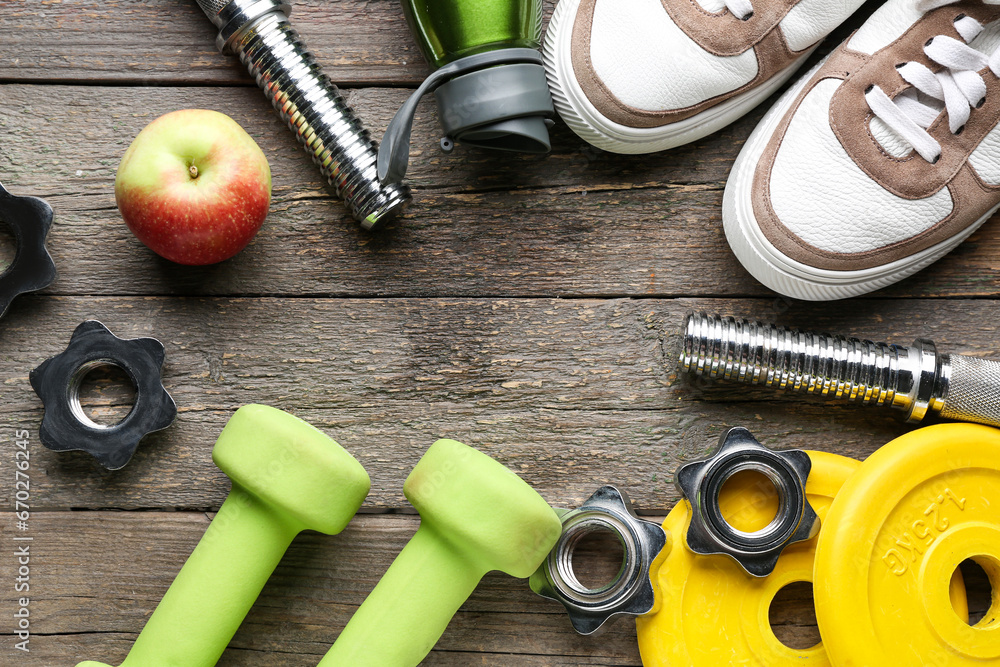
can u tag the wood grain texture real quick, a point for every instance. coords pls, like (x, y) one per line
(571, 394)
(168, 42)
(578, 222)
(528, 306)
(157, 42)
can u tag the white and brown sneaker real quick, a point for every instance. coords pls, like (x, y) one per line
(637, 76)
(878, 162)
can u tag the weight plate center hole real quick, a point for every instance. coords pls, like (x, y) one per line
(749, 501)
(792, 615)
(102, 394)
(8, 247)
(982, 588)
(597, 558)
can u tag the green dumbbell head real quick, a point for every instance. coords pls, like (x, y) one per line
(486, 511)
(287, 477)
(292, 467)
(475, 516)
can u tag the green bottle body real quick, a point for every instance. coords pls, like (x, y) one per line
(447, 30)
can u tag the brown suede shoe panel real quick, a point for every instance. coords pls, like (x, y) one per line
(971, 197)
(773, 56)
(911, 177)
(722, 33)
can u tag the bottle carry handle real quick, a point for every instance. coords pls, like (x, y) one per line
(394, 151)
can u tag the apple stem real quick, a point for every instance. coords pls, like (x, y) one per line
(193, 170)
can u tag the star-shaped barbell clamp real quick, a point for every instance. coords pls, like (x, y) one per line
(631, 592)
(710, 533)
(65, 426)
(29, 220)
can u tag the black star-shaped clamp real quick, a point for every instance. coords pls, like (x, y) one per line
(65, 426)
(631, 592)
(709, 533)
(29, 220)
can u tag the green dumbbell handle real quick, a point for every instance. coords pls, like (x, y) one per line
(213, 592)
(401, 620)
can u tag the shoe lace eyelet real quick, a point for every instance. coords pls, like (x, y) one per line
(959, 18)
(936, 159)
(981, 101)
(747, 17)
(959, 131)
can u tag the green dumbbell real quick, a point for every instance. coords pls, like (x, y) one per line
(287, 477)
(475, 516)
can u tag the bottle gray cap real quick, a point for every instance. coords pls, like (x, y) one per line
(507, 107)
(497, 99)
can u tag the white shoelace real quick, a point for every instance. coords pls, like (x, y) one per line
(741, 9)
(956, 89)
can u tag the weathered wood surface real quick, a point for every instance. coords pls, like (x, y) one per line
(571, 394)
(576, 222)
(529, 306)
(156, 42)
(165, 42)
(113, 568)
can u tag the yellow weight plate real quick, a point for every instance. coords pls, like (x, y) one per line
(897, 532)
(713, 613)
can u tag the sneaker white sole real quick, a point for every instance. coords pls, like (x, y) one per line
(782, 273)
(592, 126)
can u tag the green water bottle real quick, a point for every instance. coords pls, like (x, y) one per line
(488, 80)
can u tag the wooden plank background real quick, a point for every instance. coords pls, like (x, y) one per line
(529, 306)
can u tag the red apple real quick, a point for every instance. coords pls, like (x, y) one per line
(194, 187)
